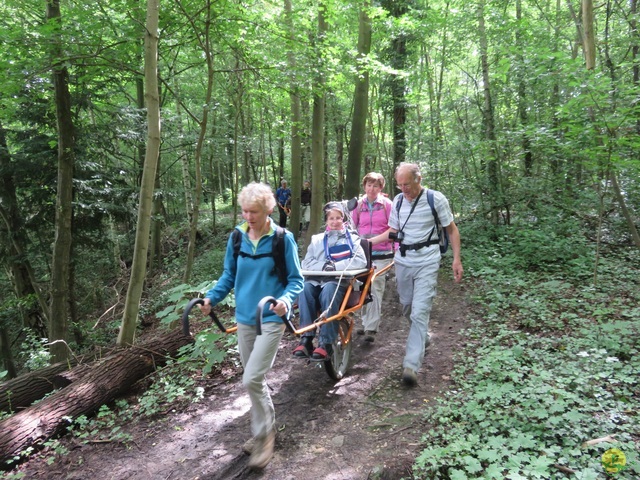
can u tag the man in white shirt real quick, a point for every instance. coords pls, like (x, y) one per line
(417, 260)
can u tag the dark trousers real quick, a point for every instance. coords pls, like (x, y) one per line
(283, 217)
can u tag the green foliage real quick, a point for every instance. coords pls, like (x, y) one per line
(106, 425)
(35, 351)
(173, 385)
(551, 364)
(210, 349)
(180, 296)
(537, 245)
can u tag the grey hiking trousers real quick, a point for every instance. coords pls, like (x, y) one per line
(417, 289)
(257, 353)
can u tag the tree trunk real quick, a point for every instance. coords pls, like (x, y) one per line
(157, 222)
(296, 126)
(22, 391)
(357, 138)
(17, 262)
(625, 211)
(589, 40)
(139, 266)
(107, 380)
(635, 48)
(555, 161)
(398, 8)
(493, 184)
(522, 96)
(205, 44)
(317, 128)
(339, 192)
(6, 355)
(58, 320)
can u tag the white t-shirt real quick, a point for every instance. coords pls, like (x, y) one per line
(419, 225)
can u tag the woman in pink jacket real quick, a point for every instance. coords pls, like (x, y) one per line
(370, 218)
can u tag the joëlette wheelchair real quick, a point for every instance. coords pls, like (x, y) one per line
(358, 293)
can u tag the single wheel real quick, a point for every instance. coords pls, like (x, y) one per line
(338, 362)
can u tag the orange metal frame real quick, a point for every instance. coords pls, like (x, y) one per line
(344, 310)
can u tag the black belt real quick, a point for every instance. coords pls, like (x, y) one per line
(383, 256)
(416, 246)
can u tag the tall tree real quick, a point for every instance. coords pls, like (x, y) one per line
(296, 125)
(204, 42)
(397, 9)
(139, 266)
(492, 178)
(589, 40)
(16, 244)
(613, 177)
(522, 94)
(357, 139)
(317, 128)
(60, 269)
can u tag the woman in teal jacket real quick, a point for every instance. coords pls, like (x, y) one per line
(252, 274)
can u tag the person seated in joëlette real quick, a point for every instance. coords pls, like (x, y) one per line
(337, 249)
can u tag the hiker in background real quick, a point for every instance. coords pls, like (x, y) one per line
(283, 197)
(335, 250)
(371, 218)
(253, 274)
(417, 259)
(305, 204)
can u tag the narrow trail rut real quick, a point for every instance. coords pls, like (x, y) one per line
(367, 426)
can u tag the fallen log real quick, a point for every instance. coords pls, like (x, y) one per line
(107, 379)
(22, 391)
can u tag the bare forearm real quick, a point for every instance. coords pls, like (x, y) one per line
(383, 237)
(454, 241)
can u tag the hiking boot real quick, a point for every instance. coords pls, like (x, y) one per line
(360, 331)
(262, 451)
(369, 336)
(304, 349)
(409, 377)
(249, 446)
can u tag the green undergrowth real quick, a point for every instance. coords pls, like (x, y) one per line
(548, 384)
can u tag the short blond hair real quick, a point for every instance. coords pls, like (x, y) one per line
(257, 194)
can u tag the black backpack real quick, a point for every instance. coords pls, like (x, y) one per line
(277, 252)
(443, 236)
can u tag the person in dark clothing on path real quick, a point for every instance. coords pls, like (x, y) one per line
(305, 205)
(283, 198)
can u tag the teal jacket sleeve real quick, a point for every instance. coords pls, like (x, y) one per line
(227, 280)
(295, 280)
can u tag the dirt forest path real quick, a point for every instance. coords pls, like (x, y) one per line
(367, 426)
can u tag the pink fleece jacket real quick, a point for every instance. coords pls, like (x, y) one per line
(370, 222)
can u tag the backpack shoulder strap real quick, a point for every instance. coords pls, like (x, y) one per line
(279, 255)
(399, 203)
(433, 207)
(277, 251)
(237, 241)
